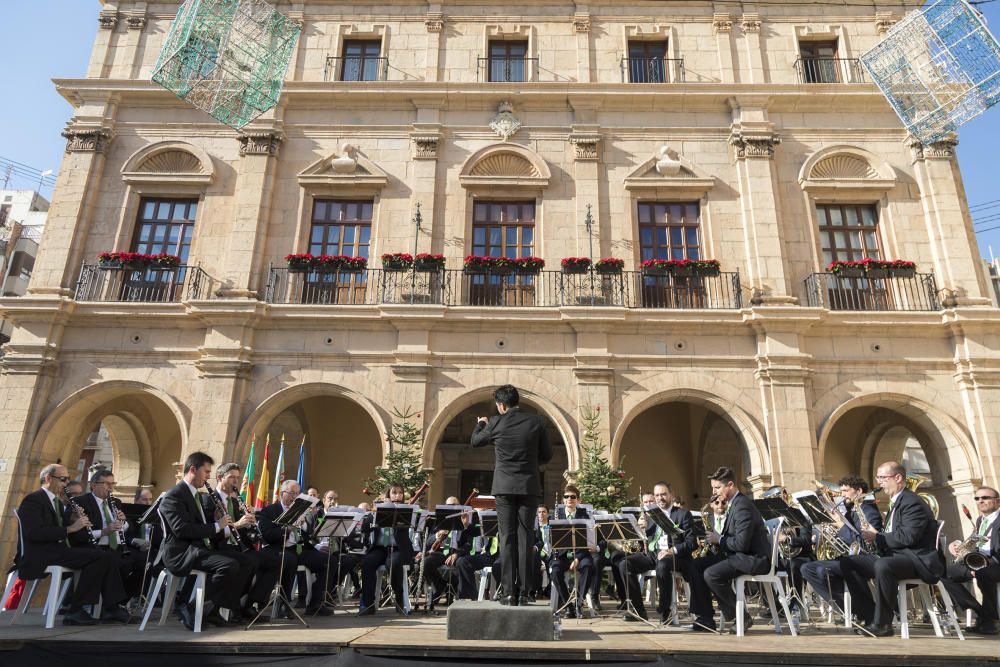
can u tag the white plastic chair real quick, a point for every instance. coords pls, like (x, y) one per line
(485, 579)
(11, 580)
(924, 590)
(771, 585)
(381, 572)
(169, 583)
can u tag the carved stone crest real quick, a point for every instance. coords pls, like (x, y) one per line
(259, 143)
(88, 140)
(426, 146)
(750, 22)
(754, 145)
(505, 123)
(585, 146)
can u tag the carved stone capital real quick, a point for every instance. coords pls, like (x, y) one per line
(938, 150)
(722, 22)
(136, 22)
(884, 21)
(754, 145)
(586, 146)
(260, 143)
(581, 22)
(434, 22)
(87, 140)
(750, 22)
(425, 146)
(107, 20)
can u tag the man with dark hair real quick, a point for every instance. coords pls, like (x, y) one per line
(579, 564)
(47, 526)
(191, 524)
(743, 548)
(826, 576)
(663, 554)
(392, 548)
(907, 549)
(521, 446)
(74, 488)
(986, 527)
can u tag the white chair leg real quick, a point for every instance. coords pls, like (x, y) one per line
(904, 620)
(848, 611)
(769, 590)
(949, 609)
(11, 579)
(52, 600)
(25, 603)
(168, 598)
(741, 605)
(784, 605)
(199, 601)
(151, 599)
(925, 597)
(406, 589)
(484, 585)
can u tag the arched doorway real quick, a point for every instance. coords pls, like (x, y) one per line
(682, 442)
(134, 430)
(458, 467)
(862, 437)
(343, 443)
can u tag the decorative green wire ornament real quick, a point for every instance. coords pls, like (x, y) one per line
(227, 57)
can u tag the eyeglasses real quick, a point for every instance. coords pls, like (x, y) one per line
(985, 498)
(884, 476)
(569, 496)
(61, 479)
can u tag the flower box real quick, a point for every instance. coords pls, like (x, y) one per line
(529, 265)
(705, 267)
(397, 261)
(575, 265)
(903, 271)
(428, 263)
(164, 261)
(610, 266)
(501, 266)
(847, 269)
(299, 263)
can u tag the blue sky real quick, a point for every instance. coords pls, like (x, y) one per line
(48, 39)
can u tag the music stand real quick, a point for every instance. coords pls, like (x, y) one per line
(336, 526)
(698, 526)
(390, 516)
(812, 507)
(620, 528)
(571, 535)
(286, 521)
(776, 508)
(148, 516)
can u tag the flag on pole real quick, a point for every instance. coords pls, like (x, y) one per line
(301, 477)
(262, 489)
(279, 472)
(247, 485)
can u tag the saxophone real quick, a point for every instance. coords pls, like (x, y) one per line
(968, 554)
(705, 548)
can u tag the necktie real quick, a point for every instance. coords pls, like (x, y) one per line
(984, 526)
(57, 506)
(493, 546)
(386, 537)
(655, 539)
(113, 537)
(201, 513)
(232, 513)
(888, 527)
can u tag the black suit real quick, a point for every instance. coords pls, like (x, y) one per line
(909, 550)
(46, 543)
(187, 545)
(522, 446)
(987, 578)
(826, 576)
(302, 552)
(637, 563)
(129, 563)
(394, 558)
(559, 566)
(744, 549)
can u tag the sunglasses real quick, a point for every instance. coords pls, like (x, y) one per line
(985, 498)
(569, 497)
(62, 479)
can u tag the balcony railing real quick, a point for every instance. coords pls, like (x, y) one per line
(829, 290)
(547, 289)
(507, 69)
(182, 283)
(830, 70)
(356, 68)
(652, 70)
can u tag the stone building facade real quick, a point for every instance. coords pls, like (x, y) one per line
(634, 129)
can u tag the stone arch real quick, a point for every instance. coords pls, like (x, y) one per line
(436, 427)
(845, 163)
(286, 398)
(148, 428)
(505, 164)
(171, 160)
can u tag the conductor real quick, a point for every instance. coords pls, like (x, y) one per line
(521, 446)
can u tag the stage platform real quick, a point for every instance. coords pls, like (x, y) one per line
(347, 641)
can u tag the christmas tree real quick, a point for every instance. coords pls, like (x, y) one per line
(403, 464)
(604, 486)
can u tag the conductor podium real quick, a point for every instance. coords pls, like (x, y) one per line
(468, 619)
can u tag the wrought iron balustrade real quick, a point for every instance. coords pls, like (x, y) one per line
(507, 69)
(837, 292)
(652, 70)
(830, 70)
(149, 285)
(356, 68)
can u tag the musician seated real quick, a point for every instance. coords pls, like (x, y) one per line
(987, 528)
(74, 488)
(907, 550)
(578, 564)
(239, 539)
(542, 553)
(662, 554)
(108, 530)
(390, 547)
(826, 576)
(442, 552)
(296, 547)
(191, 524)
(47, 526)
(742, 547)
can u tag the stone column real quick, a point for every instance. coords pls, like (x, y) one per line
(435, 29)
(750, 24)
(426, 139)
(68, 222)
(722, 25)
(957, 264)
(581, 27)
(586, 144)
(243, 262)
(978, 384)
(128, 62)
(100, 55)
(595, 381)
(754, 140)
(784, 380)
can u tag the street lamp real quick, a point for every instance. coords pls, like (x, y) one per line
(417, 219)
(588, 222)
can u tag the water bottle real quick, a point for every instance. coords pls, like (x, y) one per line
(557, 628)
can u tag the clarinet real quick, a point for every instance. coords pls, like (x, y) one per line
(80, 513)
(116, 505)
(253, 531)
(220, 510)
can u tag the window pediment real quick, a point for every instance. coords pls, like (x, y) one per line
(670, 173)
(174, 162)
(845, 170)
(505, 165)
(347, 168)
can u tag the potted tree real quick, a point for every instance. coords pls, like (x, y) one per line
(575, 265)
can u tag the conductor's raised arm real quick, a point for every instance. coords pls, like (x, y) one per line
(483, 433)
